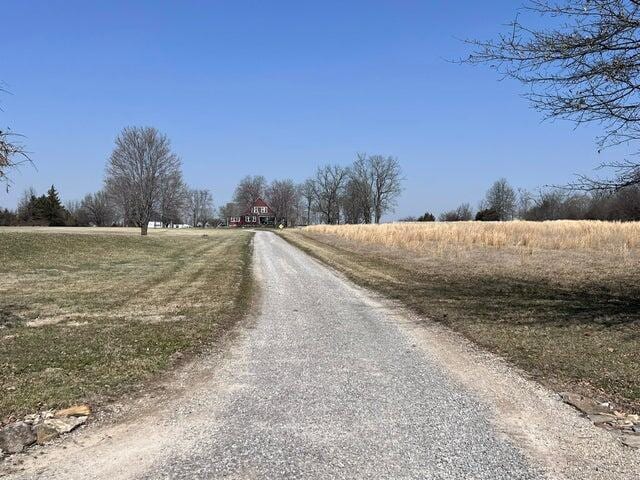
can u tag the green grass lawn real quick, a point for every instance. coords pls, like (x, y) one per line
(86, 314)
(570, 319)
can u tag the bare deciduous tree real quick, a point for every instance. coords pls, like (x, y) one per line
(361, 188)
(139, 164)
(249, 190)
(25, 204)
(199, 206)
(583, 67)
(174, 194)
(353, 208)
(387, 184)
(230, 209)
(375, 182)
(463, 213)
(96, 209)
(283, 198)
(501, 199)
(524, 202)
(77, 217)
(307, 196)
(328, 186)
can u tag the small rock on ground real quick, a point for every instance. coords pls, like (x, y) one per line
(53, 427)
(16, 436)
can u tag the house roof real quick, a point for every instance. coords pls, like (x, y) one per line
(258, 203)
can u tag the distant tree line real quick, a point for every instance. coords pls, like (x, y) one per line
(144, 183)
(502, 203)
(359, 193)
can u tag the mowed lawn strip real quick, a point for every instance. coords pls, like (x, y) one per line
(86, 316)
(570, 319)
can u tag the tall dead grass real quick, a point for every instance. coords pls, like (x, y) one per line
(610, 237)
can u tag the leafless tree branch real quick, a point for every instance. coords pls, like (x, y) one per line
(583, 67)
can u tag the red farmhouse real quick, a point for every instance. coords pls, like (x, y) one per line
(258, 215)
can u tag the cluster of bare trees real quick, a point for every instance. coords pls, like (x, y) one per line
(360, 193)
(331, 194)
(283, 196)
(199, 206)
(557, 204)
(94, 209)
(502, 203)
(463, 213)
(284, 199)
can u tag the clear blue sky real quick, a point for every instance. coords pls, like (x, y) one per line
(276, 88)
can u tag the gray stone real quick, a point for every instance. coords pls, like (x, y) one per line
(600, 418)
(54, 427)
(16, 436)
(632, 441)
(585, 404)
(45, 433)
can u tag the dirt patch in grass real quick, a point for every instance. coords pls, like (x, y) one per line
(87, 316)
(569, 318)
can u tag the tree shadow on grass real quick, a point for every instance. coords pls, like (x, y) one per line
(526, 302)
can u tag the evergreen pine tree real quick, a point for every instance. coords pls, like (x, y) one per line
(39, 209)
(54, 212)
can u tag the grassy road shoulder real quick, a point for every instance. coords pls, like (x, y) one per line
(569, 318)
(87, 314)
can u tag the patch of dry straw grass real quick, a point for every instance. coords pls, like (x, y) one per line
(611, 237)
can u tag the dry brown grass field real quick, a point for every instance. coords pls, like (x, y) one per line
(559, 299)
(557, 235)
(88, 313)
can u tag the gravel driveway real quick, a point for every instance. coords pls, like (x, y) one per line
(330, 388)
(324, 383)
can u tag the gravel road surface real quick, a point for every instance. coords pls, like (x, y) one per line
(328, 382)
(330, 388)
